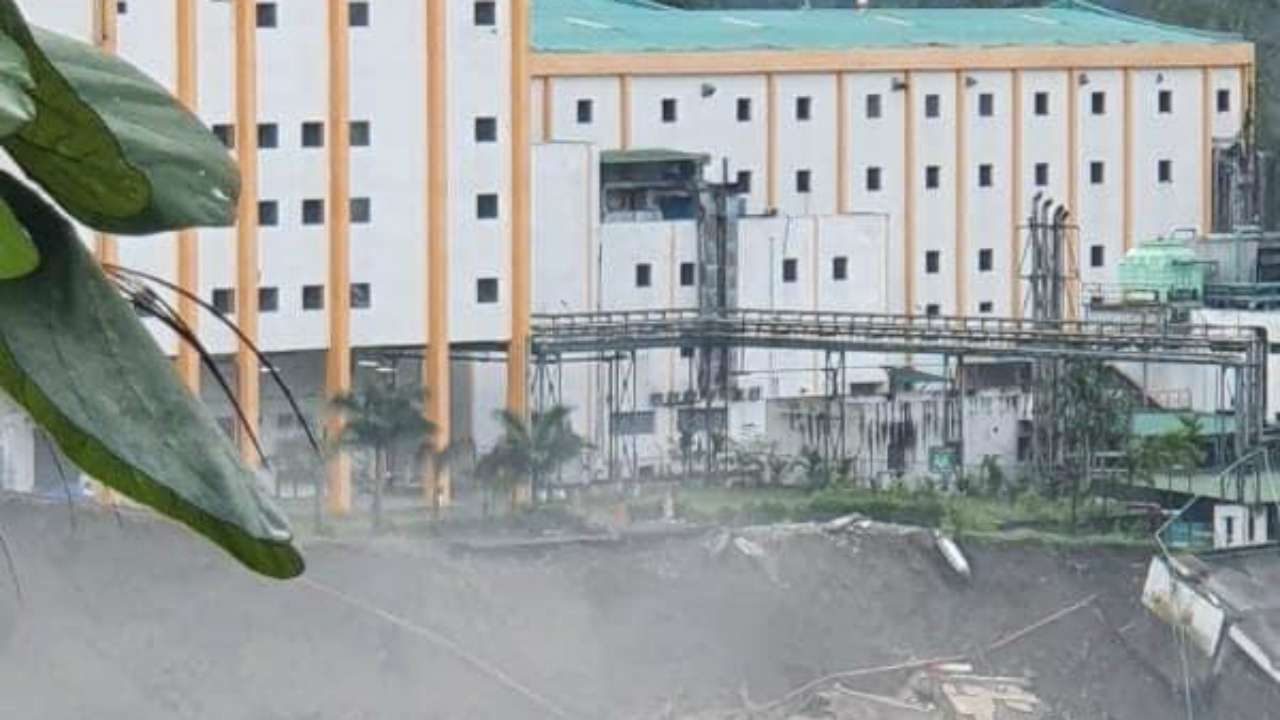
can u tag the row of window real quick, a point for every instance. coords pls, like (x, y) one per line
(874, 181)
(986, 260)
(932, 106)
(484, 13)
(268, 17)
(360, 134)
(361, 209)
(644, 275)
(840, 266)
(223, 300)
(935, 310)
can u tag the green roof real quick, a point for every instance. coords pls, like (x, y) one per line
(1213, 487)
(1147, 424)
(650, 155)
(632, 26)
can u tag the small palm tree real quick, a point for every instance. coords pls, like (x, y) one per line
(383, 419)
(530, 451)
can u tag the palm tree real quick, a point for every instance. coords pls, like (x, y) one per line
(383, 419)
(530, 451)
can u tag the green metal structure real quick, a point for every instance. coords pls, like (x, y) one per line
(635, 26)
(1163, 270)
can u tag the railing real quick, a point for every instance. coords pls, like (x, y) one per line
(983, 331)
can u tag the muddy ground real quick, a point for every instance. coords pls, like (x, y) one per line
(138, 619)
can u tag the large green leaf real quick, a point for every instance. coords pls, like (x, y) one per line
(16, 106)
(112, 146)
(18, 255)
(73, 353)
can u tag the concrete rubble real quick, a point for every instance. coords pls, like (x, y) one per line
(944, 692)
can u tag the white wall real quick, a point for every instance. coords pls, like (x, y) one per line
(479, 85)
(765, 244)
(935, 209)
(604, 129)
(806, 144)
(1161, 208)
(706, 123)
(1101, 210)
(1231, 526)
(878, 142)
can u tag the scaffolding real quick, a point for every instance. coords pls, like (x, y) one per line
(616, 338)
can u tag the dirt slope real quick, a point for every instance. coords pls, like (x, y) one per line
(140, 620)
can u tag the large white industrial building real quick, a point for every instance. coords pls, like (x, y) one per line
(880, 161)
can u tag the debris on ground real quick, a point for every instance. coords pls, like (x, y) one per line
(947, 691)
(953, 555)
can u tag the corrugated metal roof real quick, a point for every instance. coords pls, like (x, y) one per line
(650, 155)
(627, 26)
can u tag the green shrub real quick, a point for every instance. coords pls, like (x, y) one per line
(924, 510)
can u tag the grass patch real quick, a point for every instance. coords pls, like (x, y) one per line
(1029, 517)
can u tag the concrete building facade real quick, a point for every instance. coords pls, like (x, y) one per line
(422, 175)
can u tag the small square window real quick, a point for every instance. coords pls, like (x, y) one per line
(312, 297)
(487, 291)
(804, 108)
(1042, 174)
(668, 110)
(361, 296)
(687, 274)
(790, 270)
(932, 260)
(932, 177)
(744, 181)
(268, 135)
(840, 268)
(313, 211)
(268, 299)
(266, 15)
(985, 308)
(686, 352)
(986, 105)
(312, 134)
(644, 275)
(1224, 101)
(932, 106)
(986, 258)
(1098, 103)
(487, 206)
(225, 133)
(1042, 103)
(361, 210)
(122, 7)
(874, 109)
(1097, 256)
(358, 14)
(224, 300)
(585, 111)
(1164, 171)
(361, 135)
(1097, 172)
(744, 109)
(268, 213)
(804, 181)
(932, 310)
(874, 179)
(1166, 102)
(986, 175)
(485, 13)
(486, 129)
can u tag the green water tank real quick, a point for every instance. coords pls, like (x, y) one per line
(1163, 270)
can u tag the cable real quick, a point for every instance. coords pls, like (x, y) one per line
(444, 643)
